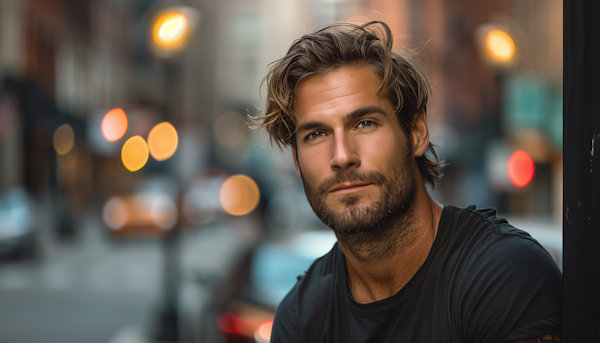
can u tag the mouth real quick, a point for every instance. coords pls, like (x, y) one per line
(346, 188)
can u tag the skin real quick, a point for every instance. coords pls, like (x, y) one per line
(335, 144)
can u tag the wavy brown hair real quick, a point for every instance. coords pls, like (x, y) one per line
(345, 44)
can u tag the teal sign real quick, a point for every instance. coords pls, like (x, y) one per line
(530, 103)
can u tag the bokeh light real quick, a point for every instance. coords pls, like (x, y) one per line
(231, 129)
(114, 125)
(115, 213)
(134, 153)
(520, 168)
(263, 331)
(500, 45)
(170, 29)
(64, 139)
(163, 141)
(68, 160)
(230, 323)
(239, 195)
(163, 212)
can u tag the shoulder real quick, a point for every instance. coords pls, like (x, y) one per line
(306, 299)
(512, 259)
(512, 288)
(476, 232)
(483, 220)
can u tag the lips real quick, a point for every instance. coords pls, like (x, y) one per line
(348, 187)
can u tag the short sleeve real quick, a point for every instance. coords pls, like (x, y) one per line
(286, 319)
(513, 291)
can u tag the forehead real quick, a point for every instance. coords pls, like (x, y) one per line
(338, 92)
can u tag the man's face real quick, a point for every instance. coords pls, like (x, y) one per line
(355, 161)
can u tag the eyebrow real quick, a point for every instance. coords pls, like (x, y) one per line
(361, 112)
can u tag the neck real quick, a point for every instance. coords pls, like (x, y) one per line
(378, 266)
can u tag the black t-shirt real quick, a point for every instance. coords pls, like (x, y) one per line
(483, 281)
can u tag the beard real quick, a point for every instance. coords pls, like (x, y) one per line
(377, 227)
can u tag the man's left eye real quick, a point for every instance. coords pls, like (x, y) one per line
(365, 124)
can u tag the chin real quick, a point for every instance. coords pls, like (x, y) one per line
(353, 219)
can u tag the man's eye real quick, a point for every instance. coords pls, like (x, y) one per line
(365, 123)
(315, 135)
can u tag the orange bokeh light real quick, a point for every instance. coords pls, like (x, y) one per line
(114, 125)
(163, 141)
(170, 29)
(239, 195)
(134, 153)
(500, 45)
(521, 168)
(63, 139)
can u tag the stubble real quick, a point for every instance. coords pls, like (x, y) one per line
(378, 230)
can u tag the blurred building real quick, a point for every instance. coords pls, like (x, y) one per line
(69, 61)
(60, 61)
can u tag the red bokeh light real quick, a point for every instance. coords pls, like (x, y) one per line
(232, 324)
(520, 168)
(114, 125)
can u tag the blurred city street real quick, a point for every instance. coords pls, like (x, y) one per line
(96, 289)
(136, 204)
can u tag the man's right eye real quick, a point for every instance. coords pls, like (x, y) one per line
(314, 135)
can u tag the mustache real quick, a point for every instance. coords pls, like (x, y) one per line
(351, 175)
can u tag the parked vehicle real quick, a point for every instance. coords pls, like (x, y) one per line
(17, 226)
(274, 268)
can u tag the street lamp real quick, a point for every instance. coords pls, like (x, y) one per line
(497, 45)
(170, 33)
(500, 45)
(171, 30)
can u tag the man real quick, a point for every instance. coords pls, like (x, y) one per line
(405, 268)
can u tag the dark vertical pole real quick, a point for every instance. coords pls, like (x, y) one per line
(169, 320)
(581, 209)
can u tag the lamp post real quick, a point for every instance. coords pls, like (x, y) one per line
(171, 30)
(498, 49)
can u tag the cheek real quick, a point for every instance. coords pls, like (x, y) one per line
(314, 162)
(377, 151)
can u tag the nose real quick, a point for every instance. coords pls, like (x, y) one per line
(344, 155)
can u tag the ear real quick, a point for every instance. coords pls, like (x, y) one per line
(296, 162)
(420, 134)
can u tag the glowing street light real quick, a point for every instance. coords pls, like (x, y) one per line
(500, 45)
(171, 30)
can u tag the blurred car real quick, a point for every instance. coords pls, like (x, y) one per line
(155, 207)
(274, 269)
(151, 210)
(17, 228)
